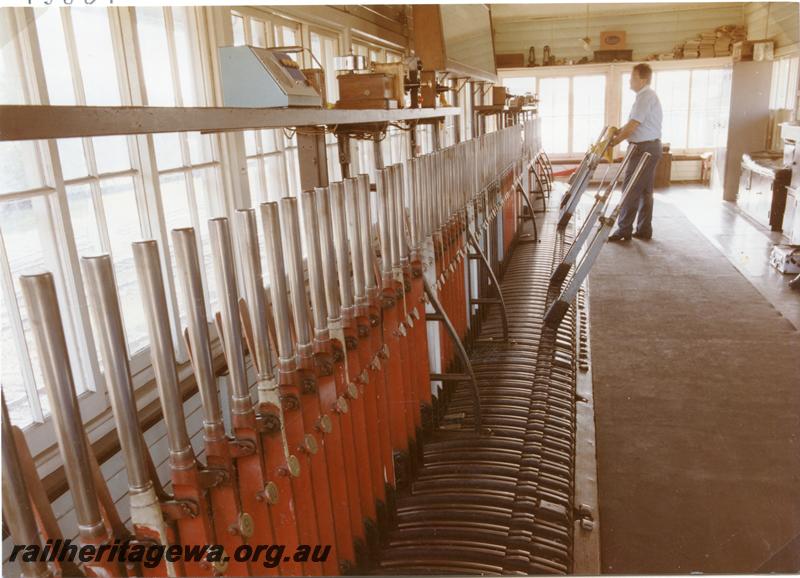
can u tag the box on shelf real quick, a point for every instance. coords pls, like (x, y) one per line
(509, 60)
(371, 90)
(763, 51)
(742, 51)
(612, 40)
(499, 95)
(613, 55)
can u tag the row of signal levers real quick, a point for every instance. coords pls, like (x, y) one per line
(344, 395)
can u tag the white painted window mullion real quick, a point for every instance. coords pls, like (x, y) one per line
(60, 237)
(20, 343)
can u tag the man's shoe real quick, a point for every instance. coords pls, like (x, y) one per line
(619, 237)
(643, 236)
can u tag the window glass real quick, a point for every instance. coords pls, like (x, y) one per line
(286, 36)
(269, 140)
(84, 220)
(780, 76)
(155, 56)
(554, 109)
(276, 178)
(24, 225)
(176, 215)
(73, 162)
(191, 85)
(588, 110)
(334, 168)
(238, 30)
(250, 137)
(257, 194)
(293, 169)
(168, 150)
(174, 202)
(672, 87)
(628, 97)
(696, 118)
(792, 84)
(784, 83)
(200, 148)
(258, 33)
(95, 56)
(122, 220)
(55, 59)
(11, 89)
(19, 168)
(710, 108)
(366, 159)
(520, 86)
(111, 153)
(325, 48)
(11, 375)
(205, 190)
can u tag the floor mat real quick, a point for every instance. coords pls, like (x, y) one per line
(697, 400)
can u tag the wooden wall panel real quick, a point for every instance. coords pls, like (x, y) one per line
(778, 21)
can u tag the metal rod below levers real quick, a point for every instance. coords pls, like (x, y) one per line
(503, 314)
(462, 353)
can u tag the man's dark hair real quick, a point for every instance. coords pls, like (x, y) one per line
(644, 71)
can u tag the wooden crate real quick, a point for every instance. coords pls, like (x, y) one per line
(373, 103)
(509, 60)
(365, 86)
(499, 95)
(613, 55)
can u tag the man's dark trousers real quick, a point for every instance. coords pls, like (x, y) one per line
(640, 199)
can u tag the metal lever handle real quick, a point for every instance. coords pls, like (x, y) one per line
(225, 274)
(278, 289)
(316, 276)
(292, 249)
(162, 352)
(98, 273)
(339, 221)
(256, 295)
(39, 292)
(328, 256)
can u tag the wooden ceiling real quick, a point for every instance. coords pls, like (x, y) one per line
(532, 12)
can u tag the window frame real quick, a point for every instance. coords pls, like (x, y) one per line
(64, 262)
(614, 86)
(261, 155)
(93, 402)
(210, 27)
(787, 100)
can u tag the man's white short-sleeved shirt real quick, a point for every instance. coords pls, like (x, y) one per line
(647, 112)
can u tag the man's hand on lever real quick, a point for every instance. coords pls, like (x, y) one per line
(623, 133)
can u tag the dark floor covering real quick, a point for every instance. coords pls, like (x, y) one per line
(697, 400)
